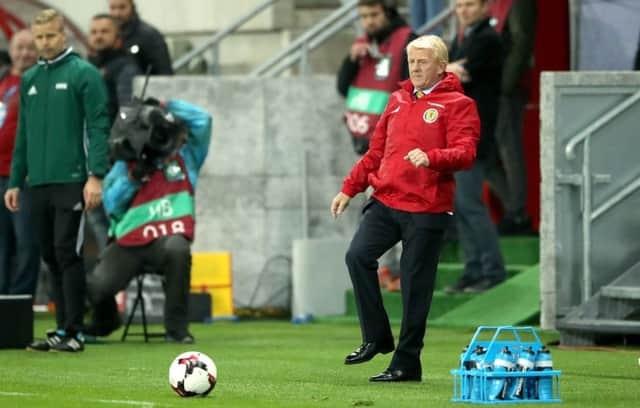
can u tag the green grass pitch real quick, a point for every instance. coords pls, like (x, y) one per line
(277, 364)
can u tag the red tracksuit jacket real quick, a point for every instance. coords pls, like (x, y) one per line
(444, 124)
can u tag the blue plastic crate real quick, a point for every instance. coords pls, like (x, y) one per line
(464, 379)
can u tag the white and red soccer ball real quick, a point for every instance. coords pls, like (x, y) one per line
(193, 374)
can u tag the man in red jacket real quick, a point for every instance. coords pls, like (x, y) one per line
(428, 130)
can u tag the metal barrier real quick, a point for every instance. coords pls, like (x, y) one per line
(298, 51)
(585, 180)
(214, 41)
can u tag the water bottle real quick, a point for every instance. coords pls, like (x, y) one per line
(526, 362)
(476, 382)
(467, 365)
(464, 379)
(504, 362)
(544, 383)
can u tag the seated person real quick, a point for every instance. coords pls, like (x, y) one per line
(150, 204)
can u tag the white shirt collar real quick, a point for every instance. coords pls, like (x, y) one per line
(426, 91)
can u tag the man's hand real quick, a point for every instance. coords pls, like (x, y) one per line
(92, 193)
(11, 199)
(358, 50)
(418, 158)
(339, 204)
(457, 68)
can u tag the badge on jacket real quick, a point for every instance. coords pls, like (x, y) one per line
(383, 67)
(173, 171)
(430, 115)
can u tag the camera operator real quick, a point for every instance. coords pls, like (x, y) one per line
(150, 203)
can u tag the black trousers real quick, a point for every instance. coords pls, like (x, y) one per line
(421, 234)
(59, 223)
(169, 256)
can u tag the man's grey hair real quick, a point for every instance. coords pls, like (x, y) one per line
(432, 42)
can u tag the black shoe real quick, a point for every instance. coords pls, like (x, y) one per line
(179, 338)
(516, 225)
(397, 375)
(458, 287)
(367, 351)
(70, 344)
(53, 337)
(482, 285)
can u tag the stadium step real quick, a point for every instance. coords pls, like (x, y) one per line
(441, 304)
(449, 273)
(515, 250)
(600, 326)
(521, 292)
(521, 256)
(588, 332)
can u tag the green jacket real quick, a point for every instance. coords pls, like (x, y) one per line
(63, 124)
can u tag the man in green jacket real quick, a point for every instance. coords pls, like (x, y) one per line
(61, 151)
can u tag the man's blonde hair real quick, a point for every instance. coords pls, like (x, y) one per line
(432, 42)
(47, 16)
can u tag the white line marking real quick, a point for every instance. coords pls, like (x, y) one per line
(16, 394)
(145, 404)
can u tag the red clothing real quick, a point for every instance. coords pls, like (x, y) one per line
(382, 73)
(444, 124)
(9, 104)
(499, 10)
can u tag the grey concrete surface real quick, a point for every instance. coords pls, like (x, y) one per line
(249, 199)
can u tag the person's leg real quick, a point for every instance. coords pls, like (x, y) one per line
(68, 241)
(375, 235)
(494, 169)
(6, 236)
(173, 261)
(507, 172)
(422, 237)
(99, 225)
(512, 152)
(27, 249)
(466, 203)
(483, 257)
(43, 215)
(116, 267)
(43, 222)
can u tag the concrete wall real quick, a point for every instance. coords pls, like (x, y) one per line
(170, 16)
(249, 198)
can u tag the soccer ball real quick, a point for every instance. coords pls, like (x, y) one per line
(193, 374)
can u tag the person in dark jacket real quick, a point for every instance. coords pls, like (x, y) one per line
(141, 39)
(61, 151)
(515, 21)
(117, 66)
(427, 132)
(477, 56)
